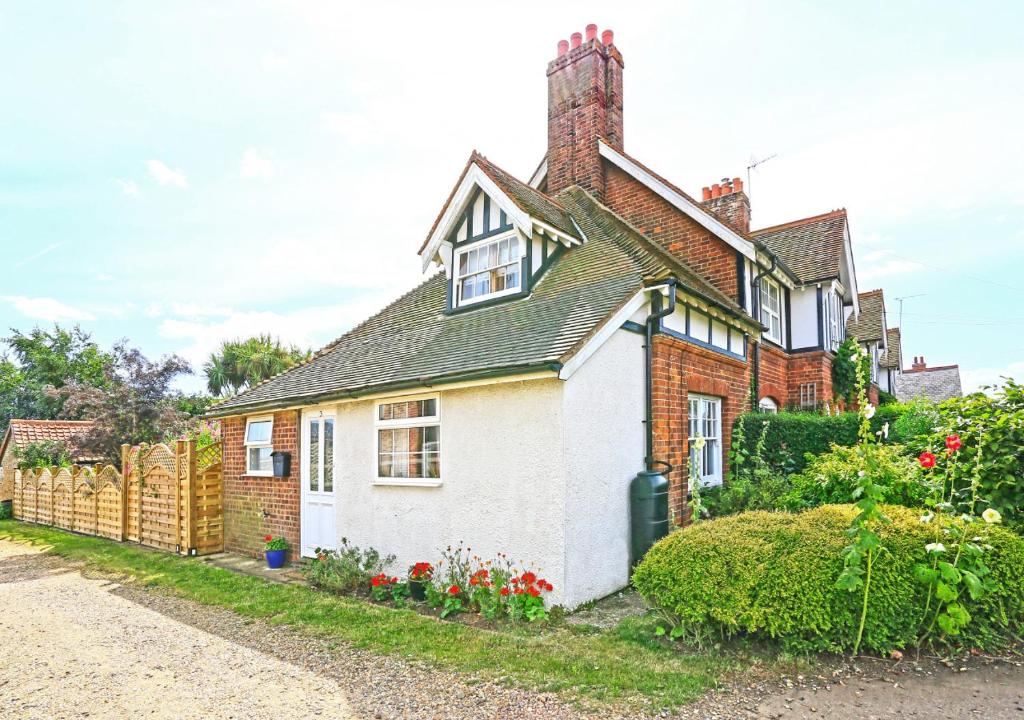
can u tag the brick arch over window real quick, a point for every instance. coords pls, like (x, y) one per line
(680, 369)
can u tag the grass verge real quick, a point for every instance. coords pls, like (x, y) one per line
(623, 666)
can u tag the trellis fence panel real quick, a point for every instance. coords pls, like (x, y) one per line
(163, 498)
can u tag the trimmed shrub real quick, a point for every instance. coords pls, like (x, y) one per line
(792, 435)
(772, 575)
(832, 477)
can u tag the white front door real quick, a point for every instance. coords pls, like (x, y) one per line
(318, 518)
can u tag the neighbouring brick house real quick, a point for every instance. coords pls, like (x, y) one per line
(21, 433)
(590, 323)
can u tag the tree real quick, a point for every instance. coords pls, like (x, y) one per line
(134, 404)
(43, 453)
(239, 364)
(44, 359)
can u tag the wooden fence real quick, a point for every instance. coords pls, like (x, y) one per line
(167, 499)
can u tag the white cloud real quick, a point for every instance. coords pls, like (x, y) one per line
(976, 379)
(47, 309)
(273, 61)
(128, 187)
(38, 254)
(309, 327)
(165, 175)
(880, 263)
(256, 165)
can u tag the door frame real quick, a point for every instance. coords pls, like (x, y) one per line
(305, 494)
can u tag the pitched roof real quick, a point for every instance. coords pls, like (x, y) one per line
(414, 340)
(935, 383)
(812, 247)
(893, 355)
(869, 324)
(24, 432)
(531, 201)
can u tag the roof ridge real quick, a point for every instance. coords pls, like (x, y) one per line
(930, 369)
(43, 420)
(838, 212)
(333, 343)
(876, 291)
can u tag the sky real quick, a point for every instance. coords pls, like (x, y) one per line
(182, 173)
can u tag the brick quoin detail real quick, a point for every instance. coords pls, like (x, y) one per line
(678, 369)
(675, 231)
(246, 499)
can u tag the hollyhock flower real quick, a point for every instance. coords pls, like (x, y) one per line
(991, 516)
(953, 442)
(926, 459)
(935, 548)
(700, 442)
(869, 411)
(927, 518)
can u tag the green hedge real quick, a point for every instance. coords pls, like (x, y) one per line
(772, 575)
(791, 435)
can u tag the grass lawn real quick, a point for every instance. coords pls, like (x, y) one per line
(626, 665)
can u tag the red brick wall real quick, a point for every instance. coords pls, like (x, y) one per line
(675, 231)
(258, 506)
(681, 368)
(810, 367)
(773, 375)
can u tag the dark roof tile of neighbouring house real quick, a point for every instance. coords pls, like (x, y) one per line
(934, 383)
(25, 432)
(812, 248)
(869, 324)
(414, 341)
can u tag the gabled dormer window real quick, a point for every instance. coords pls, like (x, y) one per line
(489, 269)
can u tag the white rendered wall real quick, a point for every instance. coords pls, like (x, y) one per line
(804, 317)
(502, 489)
(604, 450)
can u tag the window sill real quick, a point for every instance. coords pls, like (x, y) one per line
(259, 474)
(407, 482)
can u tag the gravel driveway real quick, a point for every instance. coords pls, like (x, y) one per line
(74, 646)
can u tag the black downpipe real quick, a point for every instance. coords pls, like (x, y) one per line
(654, 318)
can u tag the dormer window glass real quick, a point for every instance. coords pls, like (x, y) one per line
(771, 309)
(489, 270)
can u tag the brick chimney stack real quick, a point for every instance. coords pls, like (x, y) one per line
(728, 201)
(584, 104)
(919, 363)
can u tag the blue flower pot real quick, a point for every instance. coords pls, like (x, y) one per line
(275, 559)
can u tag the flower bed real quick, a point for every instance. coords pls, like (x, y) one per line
(460, 582)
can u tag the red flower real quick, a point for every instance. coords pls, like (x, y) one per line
(926, 459)
(529, 577)
(514, 581)
(453, 590)
(953, 443)
(375, 581)
(549, 587)
(533, 591)
(474, 580)
(394, 581)
(519, 591)
(267, 538)
(504, 591)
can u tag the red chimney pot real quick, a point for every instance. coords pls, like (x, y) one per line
(563, 47)
(607, 36)
(591, 32)
(577, 39)
(737, 185)
(706, 193)
(716, 190)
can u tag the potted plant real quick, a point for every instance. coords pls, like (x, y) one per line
(275, 547)
(420, 575)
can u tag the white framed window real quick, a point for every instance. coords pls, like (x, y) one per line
(705, 439)
(771, 309)
(808, 395)
(408, 441)
(835, 310)
(768, 405)
(489, 269)
(258, 434)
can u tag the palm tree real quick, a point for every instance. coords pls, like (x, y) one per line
(240, 364)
